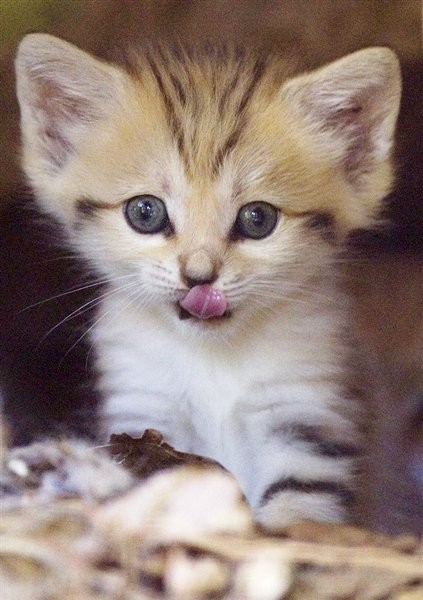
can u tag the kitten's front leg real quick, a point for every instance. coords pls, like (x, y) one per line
(292, 498)
(305, 469)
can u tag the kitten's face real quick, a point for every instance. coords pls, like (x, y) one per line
(202, 238)
(209, 171)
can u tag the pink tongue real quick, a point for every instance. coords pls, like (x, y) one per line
(203, 301)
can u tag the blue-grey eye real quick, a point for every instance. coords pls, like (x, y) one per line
(146, 214)
(256, 220)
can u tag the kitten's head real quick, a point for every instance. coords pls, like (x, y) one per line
(213, 171)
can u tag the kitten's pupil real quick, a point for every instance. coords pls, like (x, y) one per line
(256, 220)
(146, 214)
(257, 217)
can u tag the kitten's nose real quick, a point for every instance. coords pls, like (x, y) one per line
(193, 282)
(198, 268)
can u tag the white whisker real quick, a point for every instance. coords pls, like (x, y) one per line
(93, 283)
(88, 305)
(133, 297)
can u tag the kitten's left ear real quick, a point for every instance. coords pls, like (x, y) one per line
(352, 104)
(62, 91)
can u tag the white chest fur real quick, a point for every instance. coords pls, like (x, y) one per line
(219, 400)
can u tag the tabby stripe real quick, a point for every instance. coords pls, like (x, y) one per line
(184, 142)
(179, 89)
(324, 223)
(290, 484)
(174, 123)
(321, 445)
(86, 208)
(230, 89)
(258, 71)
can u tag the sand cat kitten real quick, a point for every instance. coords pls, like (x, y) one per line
(212, 189)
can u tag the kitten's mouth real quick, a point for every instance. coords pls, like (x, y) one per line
(203, 303)
(184, 314)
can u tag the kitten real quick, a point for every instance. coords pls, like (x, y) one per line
(212, 190)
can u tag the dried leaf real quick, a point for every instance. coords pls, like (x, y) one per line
(150, 453)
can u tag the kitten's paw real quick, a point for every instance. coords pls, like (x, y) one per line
(286, 508)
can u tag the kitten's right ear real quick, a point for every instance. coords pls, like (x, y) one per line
(349, 108)
(61, 91)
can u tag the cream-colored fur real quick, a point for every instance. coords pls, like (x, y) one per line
(262, 390)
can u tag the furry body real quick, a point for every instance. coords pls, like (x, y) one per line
(262, 388)
(240, 404)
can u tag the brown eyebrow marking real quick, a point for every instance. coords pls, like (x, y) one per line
(324, 223)
(87, 208)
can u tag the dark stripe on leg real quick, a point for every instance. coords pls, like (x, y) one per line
(308, 487)
(321, 444)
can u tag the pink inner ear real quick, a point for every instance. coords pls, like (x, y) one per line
(350, 115)
(58, 146)
(356, 128)
(58, 109)
(360, 147)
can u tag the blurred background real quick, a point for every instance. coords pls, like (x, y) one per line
(46, 382)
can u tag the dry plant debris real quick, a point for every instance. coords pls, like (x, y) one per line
(150, 453)
(167, 525)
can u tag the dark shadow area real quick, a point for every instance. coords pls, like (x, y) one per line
(47, 384)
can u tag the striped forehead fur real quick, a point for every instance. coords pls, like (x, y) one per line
(209, 123)
(209, 89)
